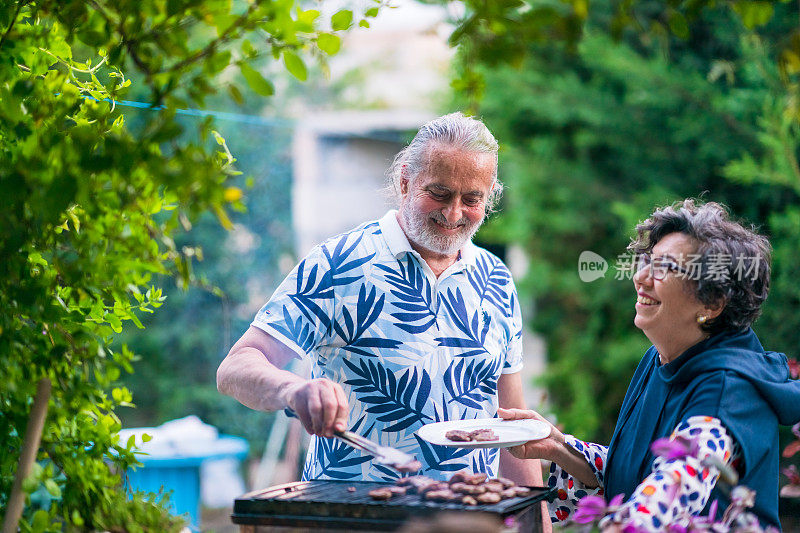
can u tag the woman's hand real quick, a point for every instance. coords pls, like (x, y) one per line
(548, 448)
(552, 448)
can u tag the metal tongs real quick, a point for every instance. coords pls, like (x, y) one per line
(385, 455)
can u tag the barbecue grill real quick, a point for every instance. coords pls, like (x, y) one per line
(321, 505)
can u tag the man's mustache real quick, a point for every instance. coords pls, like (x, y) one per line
(441, 220)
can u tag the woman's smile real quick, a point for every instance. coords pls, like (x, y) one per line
(645, 300)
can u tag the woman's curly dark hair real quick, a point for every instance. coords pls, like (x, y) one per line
(732, 262)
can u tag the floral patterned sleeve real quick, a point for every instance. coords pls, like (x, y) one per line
(570, 489)
(683, 484)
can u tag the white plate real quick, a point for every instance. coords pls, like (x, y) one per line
(510, 432)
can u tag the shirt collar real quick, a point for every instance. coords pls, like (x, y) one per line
(398, 243)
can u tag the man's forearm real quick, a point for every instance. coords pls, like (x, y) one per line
(248, 376)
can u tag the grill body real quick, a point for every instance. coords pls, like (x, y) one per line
(329, 505)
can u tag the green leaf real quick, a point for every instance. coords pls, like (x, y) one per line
(114, 321)
(30, 484)
(295, 65)
(60, 48)
(235, 94)
(305, 20)
(580, 8)
(678, 25)
(329, 43)
(97, 311)
(53, 488)
(341, 20)
(248, 49)
(256, 81)
(40, 521)
(136, 321)
(754, 13)
(217, 62)
(371, 12)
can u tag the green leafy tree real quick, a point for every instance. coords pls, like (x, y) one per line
(500, 32)
(91, 211)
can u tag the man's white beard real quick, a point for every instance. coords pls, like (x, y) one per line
(422, 231)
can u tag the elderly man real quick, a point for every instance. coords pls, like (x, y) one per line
(406, 322)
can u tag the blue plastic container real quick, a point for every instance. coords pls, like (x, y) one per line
(181, 475)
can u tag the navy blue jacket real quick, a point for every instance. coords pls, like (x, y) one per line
(728, 376)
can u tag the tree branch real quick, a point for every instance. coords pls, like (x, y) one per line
(210, 47)
(128, 43)
(20, 5)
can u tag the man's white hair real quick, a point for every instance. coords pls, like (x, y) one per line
(454, 130)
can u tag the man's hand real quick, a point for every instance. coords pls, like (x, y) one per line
(320, 404)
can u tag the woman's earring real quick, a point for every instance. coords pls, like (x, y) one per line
(702, 319)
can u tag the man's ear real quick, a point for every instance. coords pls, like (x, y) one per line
(404, 183)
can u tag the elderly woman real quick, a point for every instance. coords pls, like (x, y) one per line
(700, 283)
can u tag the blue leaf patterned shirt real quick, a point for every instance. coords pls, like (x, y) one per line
(408, 349)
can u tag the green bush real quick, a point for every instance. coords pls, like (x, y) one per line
(91, 212)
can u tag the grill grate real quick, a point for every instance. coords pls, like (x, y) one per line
(330, 504)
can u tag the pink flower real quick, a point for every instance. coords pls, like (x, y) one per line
(712, 511)
(593, 508)
(676, 448)
(792, 490)
(792, 473)
(590, 509)
(794, 368)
